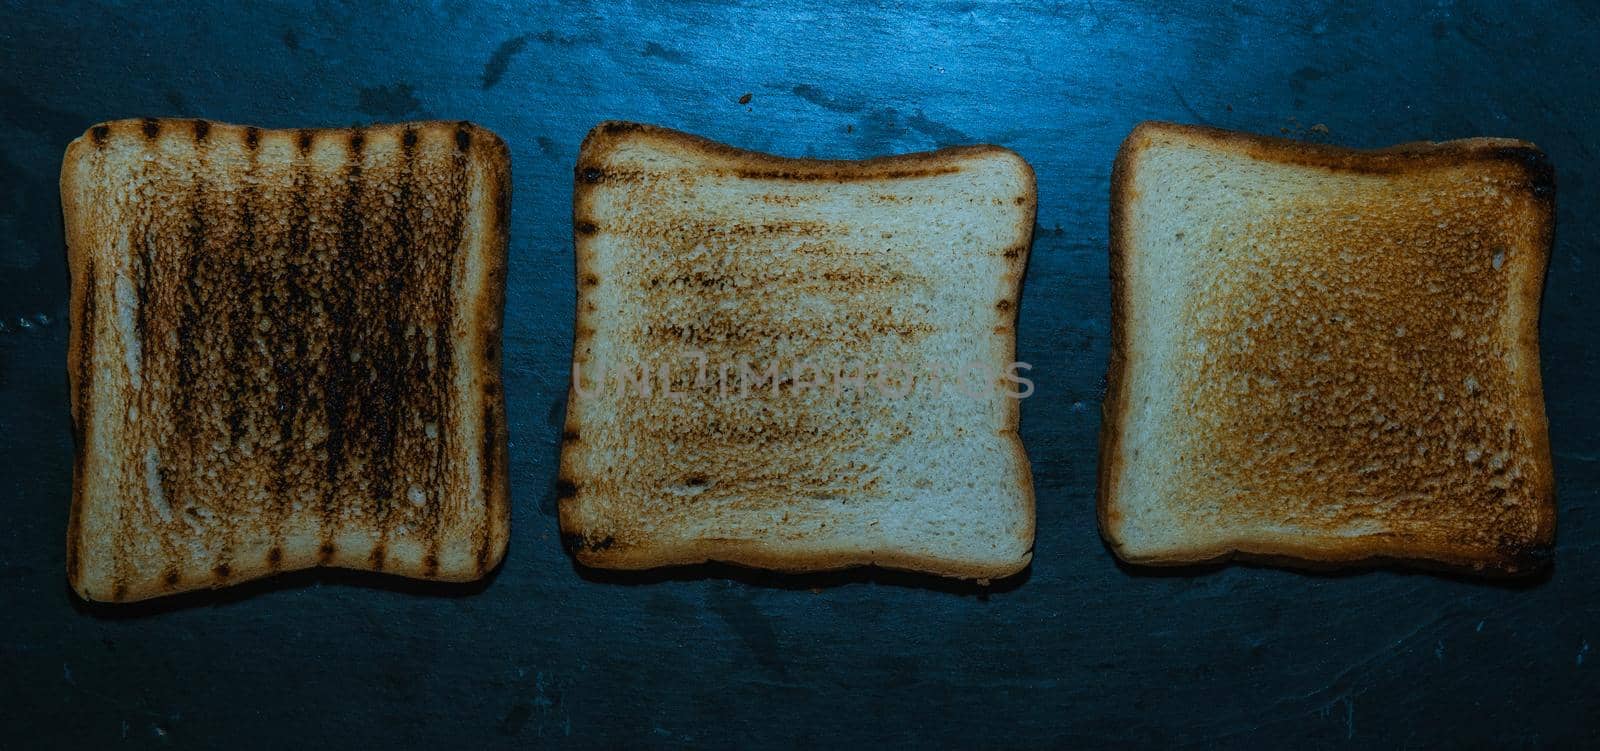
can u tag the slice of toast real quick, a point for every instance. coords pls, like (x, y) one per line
(690, 252)
(1325, 356)
(284, 352)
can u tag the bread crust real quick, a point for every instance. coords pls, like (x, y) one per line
(1512, 556)
(732, 161)
(116, 550)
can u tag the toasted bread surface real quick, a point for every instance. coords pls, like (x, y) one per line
(692, 252)
(284, 352)
(1326, 356)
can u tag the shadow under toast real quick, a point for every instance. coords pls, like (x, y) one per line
(795, 582)
(290, 580)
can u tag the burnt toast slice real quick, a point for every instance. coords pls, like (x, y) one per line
(284, 352)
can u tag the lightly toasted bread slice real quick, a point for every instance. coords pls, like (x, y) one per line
(692, 253)
(1325, 356)
(284, 352)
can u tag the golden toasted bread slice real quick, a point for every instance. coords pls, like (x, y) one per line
(1325, 355)
(284, 352)
(835, 337)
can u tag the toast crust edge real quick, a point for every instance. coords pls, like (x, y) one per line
(80, 340)
(758, 165)
(495, 166)
(491, 160)
(1511, 558)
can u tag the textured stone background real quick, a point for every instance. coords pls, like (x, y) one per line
(1077, 651)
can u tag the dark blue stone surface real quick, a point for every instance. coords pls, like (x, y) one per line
(1077, 652)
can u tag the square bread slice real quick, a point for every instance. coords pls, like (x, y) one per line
(1324, 356)
(284, 352)
(789, 279)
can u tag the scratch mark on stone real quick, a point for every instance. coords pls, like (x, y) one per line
(549, 36)
(495, 69)
(1186, 106)
(750, 625)
(389, 101)
(512, 723)
(651, 49)
(820, 98)
(943, 135)
(1099, 22)
(547, 704)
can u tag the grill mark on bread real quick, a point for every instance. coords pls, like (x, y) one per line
(337, 376)
(733, 431)
(188, 445)
(381, 353)
(188, 354)
(835, 280)
(454, 195)
(725, 328)
(245, 275)
(243, 363)
(83, 393)
(99, 133)
(151, 128)
(488, 457)
(292, 320)
(794, 175)
(143, 268)
(397, 369)
(237, 267)
(682, 233)
(86, 346)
